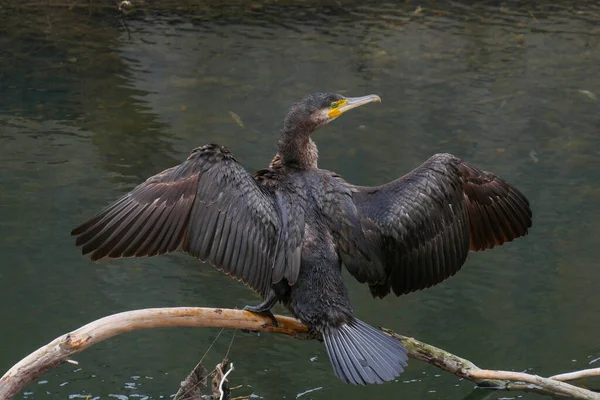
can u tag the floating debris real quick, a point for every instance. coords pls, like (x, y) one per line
(181, 82)
(588, 94)
(237, 119)
(125, 6)
(533, 156)
(308, 391)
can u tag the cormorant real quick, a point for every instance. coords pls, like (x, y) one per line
(287, 230)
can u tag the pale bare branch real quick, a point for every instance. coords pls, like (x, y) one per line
(550, 386)
(571, 376)
(63, 347)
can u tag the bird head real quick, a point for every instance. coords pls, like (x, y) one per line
(317, 109)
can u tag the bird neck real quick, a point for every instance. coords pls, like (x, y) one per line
(298, 150)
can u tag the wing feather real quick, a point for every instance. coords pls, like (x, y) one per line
(427, 221)
(208, 206)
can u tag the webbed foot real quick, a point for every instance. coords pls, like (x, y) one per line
(264, 308)
(262, 311)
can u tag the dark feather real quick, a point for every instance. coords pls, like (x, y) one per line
(361, 354)
(210, 207)
(428, 220)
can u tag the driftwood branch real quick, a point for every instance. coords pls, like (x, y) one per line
(505, 380)
(60, 349)
(571, 376)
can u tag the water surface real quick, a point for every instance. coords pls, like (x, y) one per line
(88, 110)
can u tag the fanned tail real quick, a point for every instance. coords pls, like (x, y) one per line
(361, 354)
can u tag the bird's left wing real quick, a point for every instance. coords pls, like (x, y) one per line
(210, 207)
(421, 227)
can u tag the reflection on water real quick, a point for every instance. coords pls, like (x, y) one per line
(87, 111)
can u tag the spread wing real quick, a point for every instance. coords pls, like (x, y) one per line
(422, 226)
(210, 207)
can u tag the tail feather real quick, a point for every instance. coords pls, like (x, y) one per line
(333, 355)
(388, 359)
(354, 352)
(348, 369)
(361, 354)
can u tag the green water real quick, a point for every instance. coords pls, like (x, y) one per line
(88, 110)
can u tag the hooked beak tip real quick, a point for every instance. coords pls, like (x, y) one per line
(353, 102)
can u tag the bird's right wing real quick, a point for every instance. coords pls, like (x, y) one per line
(210, 207)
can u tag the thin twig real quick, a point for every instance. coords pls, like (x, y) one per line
(571, 376)
(553, 386)
(223, 380)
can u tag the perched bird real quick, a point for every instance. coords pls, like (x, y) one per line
(287, 230)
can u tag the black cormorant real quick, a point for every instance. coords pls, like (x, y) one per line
(287, 230)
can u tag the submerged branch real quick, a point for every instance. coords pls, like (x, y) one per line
(60, 349)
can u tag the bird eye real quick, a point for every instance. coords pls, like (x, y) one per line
(335, 104)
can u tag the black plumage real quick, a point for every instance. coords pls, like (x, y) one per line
(287, 230)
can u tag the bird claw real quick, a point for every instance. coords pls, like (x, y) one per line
(263, 312)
